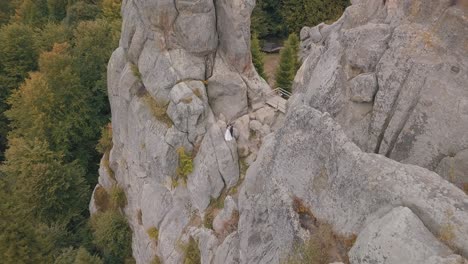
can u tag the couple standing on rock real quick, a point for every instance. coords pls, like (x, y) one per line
(228, 136)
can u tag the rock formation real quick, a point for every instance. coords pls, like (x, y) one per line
(380, 107)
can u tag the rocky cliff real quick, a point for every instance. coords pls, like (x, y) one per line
(380, 107)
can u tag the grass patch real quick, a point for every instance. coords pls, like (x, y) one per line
(136, 72)
(198, 93)
(465, 187)
(105, 142)
(158, 109)
(117, 197)
(243, 167)
(212, 211)
(191, 252)
(323, 246)
(101, 198)
(185, 164)
(153, 233)
(106, 164)
(156, 260)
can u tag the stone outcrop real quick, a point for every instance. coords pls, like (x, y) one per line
(393, 74)
(379, 108)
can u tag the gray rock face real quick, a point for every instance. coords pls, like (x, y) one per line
(415, 51)
(388, 78)
(181, 65)
(311, 158)
(398, 237)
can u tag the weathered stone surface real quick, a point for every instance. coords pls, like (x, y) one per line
(207, 243)
(363, 88)
(242, 127)
(224, 216)
(227, 92)
(228, 251)
(455, 169)
(312, 159)
(398, 237)
(418, 115)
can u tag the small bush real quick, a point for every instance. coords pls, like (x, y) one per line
(117, 197)
(158, 109)
(101, 199)
(191, 252)
(174, 183)
(153, 233)
(105, 163)
(185, 164)
(112, 236)
(105, 142)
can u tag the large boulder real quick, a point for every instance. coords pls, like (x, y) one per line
(396, 238)
(311, 159)
(393, 74)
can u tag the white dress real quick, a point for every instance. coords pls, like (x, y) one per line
(227, 135)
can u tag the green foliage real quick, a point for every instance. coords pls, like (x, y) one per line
(57, 9)
(81, 11)
(153, 233)
(105, 142)
(156, 260)
(94, 42)
(299, 13)
(18, 56)
(45, 187)
(31, 12)
(185, 164)
(6, 10)
(136, 71)
(117, 197)
(112, 236)
(111, 9)
(267, 20)
(65, 118)
(77, 256)
(191, 252)
(257, 56)
(288, 64)
(50, 34)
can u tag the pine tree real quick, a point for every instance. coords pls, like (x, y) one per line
(257, 56)
(288, 63)
(293, 41)
(18, 56)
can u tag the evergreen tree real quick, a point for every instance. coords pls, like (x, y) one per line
(45, 188)
(257, 56)
(18, 56)
(31, 12)
(53, 106)
(267, 20)
(288, 64)
(6, 11)
(293, 41)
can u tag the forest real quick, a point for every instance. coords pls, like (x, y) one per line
(54, 121)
